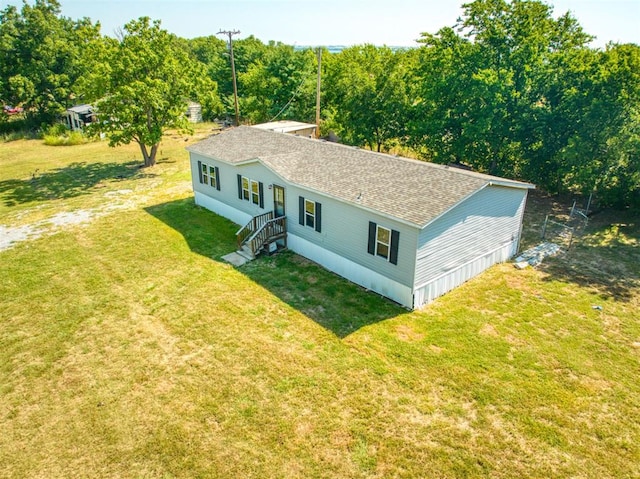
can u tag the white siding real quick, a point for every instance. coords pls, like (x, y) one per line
(228, 193)
(218, 207)
(352, 271)
(345, 232)
(481, 231)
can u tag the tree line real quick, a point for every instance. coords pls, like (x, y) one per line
(510, 90)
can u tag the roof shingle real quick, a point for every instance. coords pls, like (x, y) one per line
(410, 190)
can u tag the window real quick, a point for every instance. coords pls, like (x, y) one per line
(383, 242)
(213, 178)
(209, 175)
(251, 190)
(310, 213)
(255, 193)
(205, 178)
(245, 188)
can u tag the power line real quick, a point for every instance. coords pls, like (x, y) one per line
(295, 93)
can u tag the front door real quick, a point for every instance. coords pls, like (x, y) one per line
(278, 201)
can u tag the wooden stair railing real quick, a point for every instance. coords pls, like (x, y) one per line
(256, 223)
(270, 231)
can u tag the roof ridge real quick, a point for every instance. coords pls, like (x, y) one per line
(404, 189)
(425, 163)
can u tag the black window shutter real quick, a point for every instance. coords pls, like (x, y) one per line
(372, 238)
(217, 178)
(200, 171)
(240, 186)
(301, 210)
(318, 217)
(393, 254)
(261, 192)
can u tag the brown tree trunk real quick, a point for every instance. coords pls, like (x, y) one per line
(149, 155)
(152, 155)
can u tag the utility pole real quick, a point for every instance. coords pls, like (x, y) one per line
(230, 33)
(319, 54)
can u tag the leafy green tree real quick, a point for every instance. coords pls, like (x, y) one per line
(281, 84)
(142, 86)
(445, 97)
(366, 89)
(39, 58)
(247, 51)
(482, 86)
(600, 106)
(212, 53)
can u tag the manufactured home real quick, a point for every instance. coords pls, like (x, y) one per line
(406, 229)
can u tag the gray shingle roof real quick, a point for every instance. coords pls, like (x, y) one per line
(413, 191)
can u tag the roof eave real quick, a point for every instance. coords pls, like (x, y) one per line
(506, 183)
(356, 205)
(512, 184)
(232, 163)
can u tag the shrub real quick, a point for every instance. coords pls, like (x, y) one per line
(70, 138)
(57, 129)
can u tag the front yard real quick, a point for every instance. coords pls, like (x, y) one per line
(129, 349)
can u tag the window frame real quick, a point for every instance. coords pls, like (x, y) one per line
(380, 242)
(254, 192)
(204, 174)
(246, 191)
(373, 243)
(213, 178)
(310, 217)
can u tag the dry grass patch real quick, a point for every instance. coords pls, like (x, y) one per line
(128, 349)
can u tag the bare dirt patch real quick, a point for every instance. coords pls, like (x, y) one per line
(117, 200)
(489, 330)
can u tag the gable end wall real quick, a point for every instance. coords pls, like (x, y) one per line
(481, 231)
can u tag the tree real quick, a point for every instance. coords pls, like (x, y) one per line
(39, 58)
(281, 84)
(366, 89)
(211, 52)
(488, 80)
(142, 86)
(446, 97)
(600, 103)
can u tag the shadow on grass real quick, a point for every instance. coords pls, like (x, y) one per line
(606, 258)
(73, 180)
(331, 301)
(206, 233)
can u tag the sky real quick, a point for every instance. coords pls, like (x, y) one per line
(335, 22)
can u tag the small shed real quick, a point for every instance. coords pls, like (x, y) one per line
(194, 112)
(77, 116)
(288, 126)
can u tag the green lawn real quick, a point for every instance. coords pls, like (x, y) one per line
(128, 348)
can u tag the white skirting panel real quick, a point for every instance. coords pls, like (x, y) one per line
(451, 279)
(238, 217)
(352, 271)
